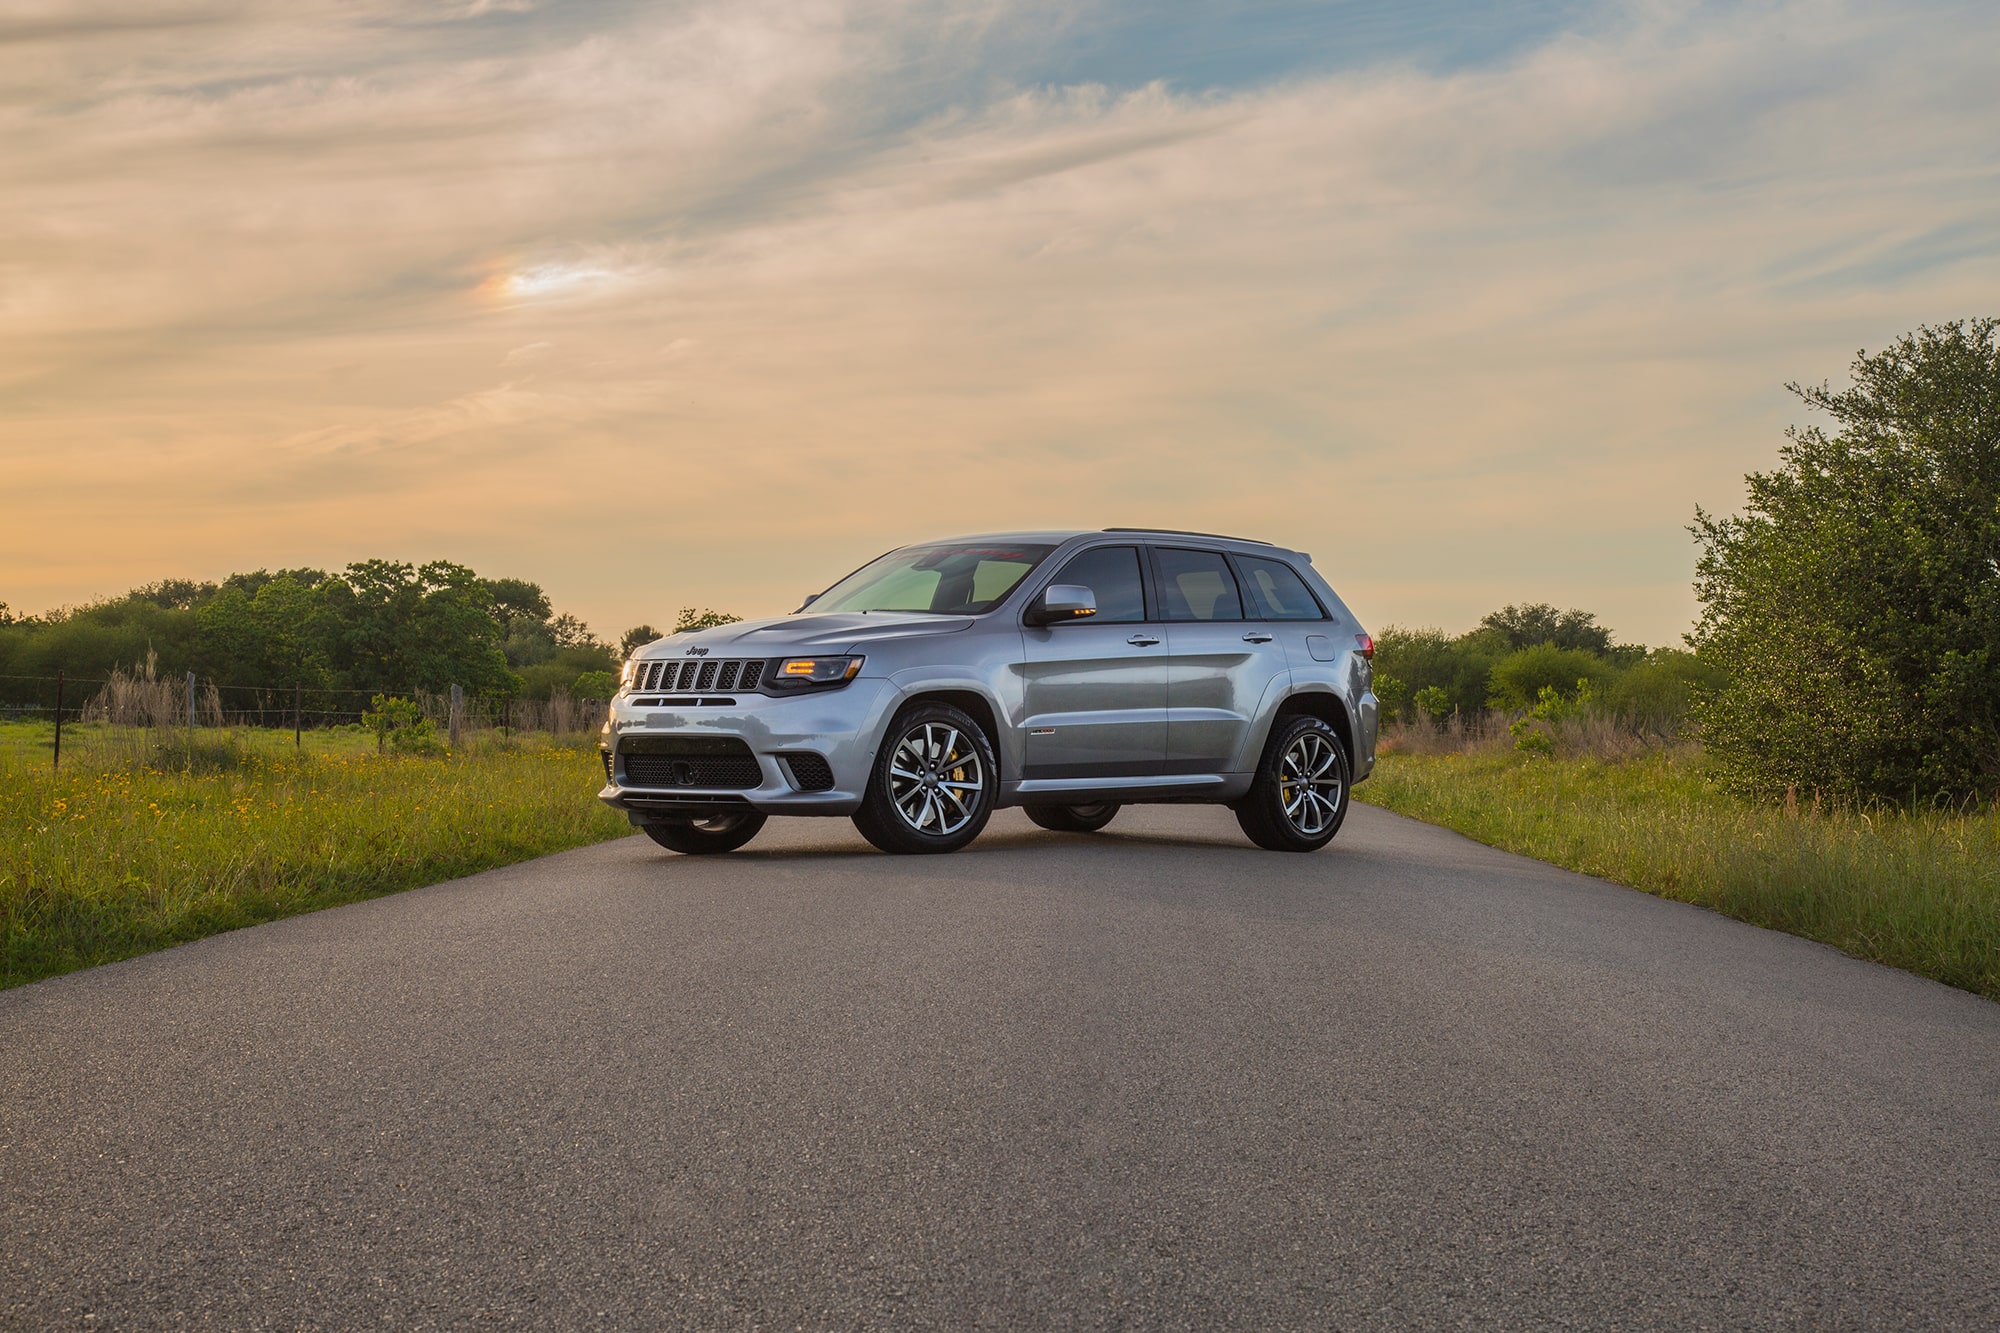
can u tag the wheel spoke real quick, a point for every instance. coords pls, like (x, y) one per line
(937, 779)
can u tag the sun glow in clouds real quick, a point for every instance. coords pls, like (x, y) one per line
(544, 281)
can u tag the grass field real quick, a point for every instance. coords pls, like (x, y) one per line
(125, 851)
(1916, 891)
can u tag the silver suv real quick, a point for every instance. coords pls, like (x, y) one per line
(1068, 673)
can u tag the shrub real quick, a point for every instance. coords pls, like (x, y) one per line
(1424, 659)
(1390, 694)
(595, 685)
(1518, 680)
(1433, 702)
(1855, 604)
(401, 726)
(1656, 696)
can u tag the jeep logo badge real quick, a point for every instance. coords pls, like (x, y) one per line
(697, 652)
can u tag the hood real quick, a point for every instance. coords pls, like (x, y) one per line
(807, 633)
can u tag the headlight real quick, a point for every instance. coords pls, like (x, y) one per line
(627, 673)
(802, 672)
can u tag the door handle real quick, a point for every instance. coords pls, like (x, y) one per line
(1256, 636)
(1142, 641)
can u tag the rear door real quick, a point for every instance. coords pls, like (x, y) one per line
(1094, 691)
(1222, 665)
(1274, 592)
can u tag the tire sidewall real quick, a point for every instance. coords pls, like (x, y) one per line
(1268, 804)
(879, 820)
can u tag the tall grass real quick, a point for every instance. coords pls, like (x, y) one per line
(1918, 890)
(115, 855)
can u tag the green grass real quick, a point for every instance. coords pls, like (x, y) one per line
(118, 855)
(1918, 891)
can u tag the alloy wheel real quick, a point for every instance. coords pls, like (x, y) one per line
(936, 779)
(1310, 783)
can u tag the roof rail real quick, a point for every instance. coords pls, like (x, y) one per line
(1183, 532)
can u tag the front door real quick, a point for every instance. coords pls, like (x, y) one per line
(1094, 692)
(1222, 665)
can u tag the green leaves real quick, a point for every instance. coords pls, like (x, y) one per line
(1855, 603)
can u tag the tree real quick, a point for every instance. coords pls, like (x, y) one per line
(1430, 659)
(174, 594)
(691, 619)
(427, 627)
(637, 637)
(281, 635)
(1538, 623)
(567, 631)
(519, 599)
(1855, 603)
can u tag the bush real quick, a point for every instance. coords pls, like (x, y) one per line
(1656, 696)
(401, 726)
(1432, 702)
(1421, 659)
(595, 685)
(1855, 604)
(1518, 680)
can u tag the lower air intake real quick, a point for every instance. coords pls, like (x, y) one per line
(810, 772)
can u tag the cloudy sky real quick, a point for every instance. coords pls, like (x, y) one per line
(669, 303)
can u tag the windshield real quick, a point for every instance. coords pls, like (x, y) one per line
(956, 578)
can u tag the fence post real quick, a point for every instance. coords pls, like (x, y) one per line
(298, 716)
(57, 765)
(457, 712)
(190, 721)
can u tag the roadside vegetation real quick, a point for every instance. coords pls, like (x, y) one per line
(1917, 889)
(376, 626)
(1824, 759)
(131, 850)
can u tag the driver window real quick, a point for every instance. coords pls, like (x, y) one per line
(1112, 575)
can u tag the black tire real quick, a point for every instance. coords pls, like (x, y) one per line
(709, 835)
(1074, 818)
(951, 781)
(1299, 798)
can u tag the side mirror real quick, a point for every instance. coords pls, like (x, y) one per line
(811, 597)
(1062, 602)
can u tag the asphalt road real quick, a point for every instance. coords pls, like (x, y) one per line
(1148, 1079)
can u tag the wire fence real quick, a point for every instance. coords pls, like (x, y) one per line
(128, 714)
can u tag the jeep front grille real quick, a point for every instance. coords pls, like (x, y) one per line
(695, 673)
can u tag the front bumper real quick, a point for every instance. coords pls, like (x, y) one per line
(844, 726)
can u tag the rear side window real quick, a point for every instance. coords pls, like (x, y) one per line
(1276, 590)
(1112, 575)
(1197, 585)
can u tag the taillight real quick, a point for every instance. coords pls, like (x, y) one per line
(1365, 645)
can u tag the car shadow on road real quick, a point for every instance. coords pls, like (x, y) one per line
(1004, 843)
